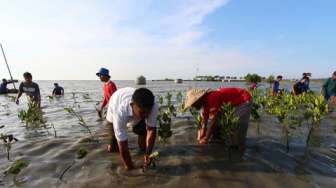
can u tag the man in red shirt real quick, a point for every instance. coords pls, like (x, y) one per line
(211, 101)
(109, 88)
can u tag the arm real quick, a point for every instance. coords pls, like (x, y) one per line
(38, 96)
(62, 91)
(150, 140)
(19, 94)
(324, 86)
(125, 155)
(111, 88)
(107, 95)
(210, 131)
(120, 132)
(204, 121)
(18, 97)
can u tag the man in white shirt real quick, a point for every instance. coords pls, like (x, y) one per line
(135, 107)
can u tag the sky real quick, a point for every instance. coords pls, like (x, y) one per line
(72, 39)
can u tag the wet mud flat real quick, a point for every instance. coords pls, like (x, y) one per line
(182, 162)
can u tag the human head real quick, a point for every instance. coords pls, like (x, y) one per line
(194, 98)
(28, 77)
(4, 80)
(334, 75)
(279, 77)
(103, 74)
(56, 84)
(142, 103)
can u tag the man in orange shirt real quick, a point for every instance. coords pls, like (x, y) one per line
(109, 88)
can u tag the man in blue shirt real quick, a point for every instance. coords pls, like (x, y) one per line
(276, 85)
(58, 90)
(3, 86)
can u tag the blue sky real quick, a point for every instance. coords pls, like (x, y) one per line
(168, 38)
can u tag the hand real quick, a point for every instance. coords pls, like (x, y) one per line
(203, 141)
(17, 101)
(146, 160)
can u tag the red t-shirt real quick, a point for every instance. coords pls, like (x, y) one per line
(109, 89)
(215, 99)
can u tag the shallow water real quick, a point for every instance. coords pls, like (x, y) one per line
(182, 162)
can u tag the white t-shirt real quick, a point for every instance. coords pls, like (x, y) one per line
(119, 112)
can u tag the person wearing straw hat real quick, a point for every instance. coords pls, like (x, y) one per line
(210, 101)
(109, 88)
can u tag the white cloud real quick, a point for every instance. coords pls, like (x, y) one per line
(72, 40)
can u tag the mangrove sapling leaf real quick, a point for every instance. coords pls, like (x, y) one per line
(258, 102)
(228, 126)
(8, 141)
(197, 117)
(164, 118)
(17, 166)
(81, 153)
(315, 110)
(228, 123)
(283, 107)
(179, 102)
(32, 117)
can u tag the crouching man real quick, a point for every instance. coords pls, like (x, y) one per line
(135, 107)
(210, 101)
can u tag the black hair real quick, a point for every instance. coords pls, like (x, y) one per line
(4, 80)
(143, 97)
(27, 74)
(55, 84)
(334, 73)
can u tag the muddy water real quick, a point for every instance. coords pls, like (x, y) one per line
(182, 162)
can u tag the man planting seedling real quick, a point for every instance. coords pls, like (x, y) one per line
(109, 88)
(211, 102)
(137, 108)
(30, 88)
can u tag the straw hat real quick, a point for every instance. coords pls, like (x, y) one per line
(194, 95)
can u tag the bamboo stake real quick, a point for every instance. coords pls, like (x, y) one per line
(10, 74)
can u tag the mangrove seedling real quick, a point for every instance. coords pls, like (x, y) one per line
(164, 118)
(153, 158)
(259, 101)
(81, 153)
(316, 109)
(228, 123)
(8, 141)
(179, 102)
(86, 96)
(197, 117)
(33, 116)
(17, 166)
(81, 120)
